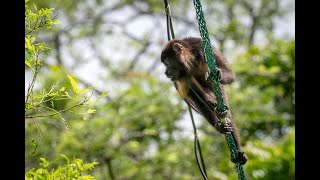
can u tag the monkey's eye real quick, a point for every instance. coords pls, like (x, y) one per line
(194, 52)
(166, 61)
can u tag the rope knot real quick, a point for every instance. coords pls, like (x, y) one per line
(167, 10)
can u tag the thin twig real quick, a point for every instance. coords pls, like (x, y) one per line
(57, 112)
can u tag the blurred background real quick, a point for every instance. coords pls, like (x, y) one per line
(140, 128)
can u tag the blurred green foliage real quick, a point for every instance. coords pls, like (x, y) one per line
(74, 169)
(142, 130)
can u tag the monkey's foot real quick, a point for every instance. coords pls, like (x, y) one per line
(223, 128)
(242, 158)
(224, 113)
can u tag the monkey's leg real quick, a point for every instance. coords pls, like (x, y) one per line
(207, 113)
(241, 157)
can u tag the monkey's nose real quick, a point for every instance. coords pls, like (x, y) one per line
(166, 73)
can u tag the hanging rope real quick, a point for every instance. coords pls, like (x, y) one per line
(210, 60)
(197, 147)
(170, 32)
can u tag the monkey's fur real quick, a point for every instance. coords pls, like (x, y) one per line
(185, 65)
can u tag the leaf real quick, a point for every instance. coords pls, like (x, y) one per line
(56, 22)
(34, 146)
(54, 94)
(44, 163)
(40, 96)
(43, 160)
(35, 7)
(62, 89)
(67, 94)
(65, 157)
(82, 90)
(104, 94)
(28, 64)
(90, 111)
(73, 84)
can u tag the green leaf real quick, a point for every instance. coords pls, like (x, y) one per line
(54, 94)
(44, 163)
(33, 145)
(82, 90)
(62, 89)
(67, 94)
(104, 94)
(39, 96)
(28, 64)
(65, 157)
(35, 7)
(56, 22)
(90, 111)
(73, 84)
(52, 104)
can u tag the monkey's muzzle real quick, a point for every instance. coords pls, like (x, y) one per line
(170, 75)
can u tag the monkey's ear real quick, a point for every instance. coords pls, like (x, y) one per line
(177, 47)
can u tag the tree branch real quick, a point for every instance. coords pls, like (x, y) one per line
(137, 56)
(58, 112)
(107, 160)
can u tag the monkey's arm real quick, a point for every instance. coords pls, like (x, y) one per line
(226, 75)
(205, 93)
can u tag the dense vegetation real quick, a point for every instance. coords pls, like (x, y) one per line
(98, 106)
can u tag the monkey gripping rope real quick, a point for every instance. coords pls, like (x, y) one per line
(197, 147)
(210, 60)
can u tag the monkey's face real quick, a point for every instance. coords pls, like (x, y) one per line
(172, 56)
(173, 68)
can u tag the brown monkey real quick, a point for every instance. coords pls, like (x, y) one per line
(185, 65)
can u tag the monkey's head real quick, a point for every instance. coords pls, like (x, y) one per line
(179, 57)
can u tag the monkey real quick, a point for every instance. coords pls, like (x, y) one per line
(185, 65)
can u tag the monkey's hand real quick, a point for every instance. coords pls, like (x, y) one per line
(218, 75)
(241, 158)
(223, 128)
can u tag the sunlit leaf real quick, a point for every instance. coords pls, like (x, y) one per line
(65, 157)
(67, 94)
(40, 96)
(73, 84)
(35, 7)
(91, 111)
(62, 89)
(28, 64)
(104, 94)
(82, 90)
(56, 22)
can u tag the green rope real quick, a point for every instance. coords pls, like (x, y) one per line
(197, 147)
(210, 60)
